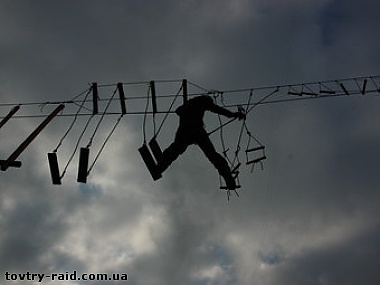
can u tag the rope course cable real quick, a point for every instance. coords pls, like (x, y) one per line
(101, 120)
(73, 122)
(245, 99)
(83, 169)
(77, 144)
(52, 157)
(104, 144)
(368, 85)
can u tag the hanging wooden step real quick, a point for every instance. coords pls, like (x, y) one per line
(149, 162)
(83, 164)
(54, 169)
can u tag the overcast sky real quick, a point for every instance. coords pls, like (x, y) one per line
(310, 217)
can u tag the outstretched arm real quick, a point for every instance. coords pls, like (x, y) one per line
(222, 111)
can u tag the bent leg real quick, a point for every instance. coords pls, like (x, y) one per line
(171, 153)
(217, 160)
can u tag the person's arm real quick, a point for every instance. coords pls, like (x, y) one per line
(222, 111)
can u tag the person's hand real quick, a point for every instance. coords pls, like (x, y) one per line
(240, 115)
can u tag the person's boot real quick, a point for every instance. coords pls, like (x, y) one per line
(230, 182)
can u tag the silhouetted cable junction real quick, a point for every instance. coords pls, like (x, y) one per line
(147, 98)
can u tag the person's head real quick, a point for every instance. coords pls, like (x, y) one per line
(206, 99)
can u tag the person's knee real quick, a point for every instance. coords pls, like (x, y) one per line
(217, 159)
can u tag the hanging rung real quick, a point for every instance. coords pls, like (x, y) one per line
(155, 148)
(344, 89)
(256, 160)
(95, 98)
(226, 188)
(184, 89)
(325, 91)
(364, 87)
(54, 169)
(149, 162)
(122, 98)
(83, 164)
(308, 93)
(255, 148)
(294, 93)
(153, 92)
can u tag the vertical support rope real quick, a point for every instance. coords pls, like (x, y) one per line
(101, 119)
(73, 122)
(77, 145)
(145, 114)
(168, 112)
(104, 144)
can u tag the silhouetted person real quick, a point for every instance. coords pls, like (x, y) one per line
(191, 131)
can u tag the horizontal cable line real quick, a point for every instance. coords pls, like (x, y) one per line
(75, 101)
(88, 114)
(227, 106)
(256, 88)
(142, 82)
(144, 97)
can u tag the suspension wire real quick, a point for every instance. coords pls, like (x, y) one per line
(370, 78)
(76, 146)
(249, 110)
(245, 124)
(167, 113)
(215, 95)
(145, 114)
(263, 99)
(199, 87)
(285, 100)
(154, 122)
(332, 85)
(261, 146)
(80, 94)
(82, 133)
(82, 106)
(249, 134)
(236, 158)
(104, 144)
(73, 122)
(101, 119)
(43, 104)
(375, 84)
(142, 82)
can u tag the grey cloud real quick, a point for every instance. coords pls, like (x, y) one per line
(353, 254)
(295, 221)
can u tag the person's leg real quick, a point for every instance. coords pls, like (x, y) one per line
(217, 160)
(172, 152)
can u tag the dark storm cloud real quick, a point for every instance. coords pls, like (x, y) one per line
(29, 231)
(333, 263)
